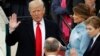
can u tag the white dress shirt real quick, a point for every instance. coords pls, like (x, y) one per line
(94, 39)
(42, 27)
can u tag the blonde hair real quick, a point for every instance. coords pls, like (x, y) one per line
(36, 3)
(93, 21)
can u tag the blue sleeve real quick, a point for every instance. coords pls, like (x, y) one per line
(68, 50)
(56, 8)
(84, 41)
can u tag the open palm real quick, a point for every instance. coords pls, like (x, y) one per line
(13, 23)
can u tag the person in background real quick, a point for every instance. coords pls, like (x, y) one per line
(93, 29)
(79, 38)
(92, 5)
(61, 16)
(31, 33)
(51, 46)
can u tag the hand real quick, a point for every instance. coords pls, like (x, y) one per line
(73, 52)
(13, 23)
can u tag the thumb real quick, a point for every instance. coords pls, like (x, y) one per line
(18, 23)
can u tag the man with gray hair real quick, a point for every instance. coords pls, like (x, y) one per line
(31, 33)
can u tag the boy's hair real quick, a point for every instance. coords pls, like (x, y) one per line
(93, 21)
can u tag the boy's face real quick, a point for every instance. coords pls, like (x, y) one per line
(92, 31)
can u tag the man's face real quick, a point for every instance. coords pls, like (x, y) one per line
(37, 13)
(92, 31)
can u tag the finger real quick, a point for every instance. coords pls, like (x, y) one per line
(10, 18)
(14, 17)
(18, 23)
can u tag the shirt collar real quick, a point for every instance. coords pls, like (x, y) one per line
(41, 22)
(94, 39)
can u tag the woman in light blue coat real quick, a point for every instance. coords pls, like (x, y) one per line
(79, 38)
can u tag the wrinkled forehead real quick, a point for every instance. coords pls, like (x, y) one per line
(36, 4)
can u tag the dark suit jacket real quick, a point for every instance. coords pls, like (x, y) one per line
(97, 6)
(95, 50)
(24, 35)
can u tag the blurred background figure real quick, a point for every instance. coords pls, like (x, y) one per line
(60, 15)
(92, 5)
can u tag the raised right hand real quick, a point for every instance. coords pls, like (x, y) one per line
(13, 23)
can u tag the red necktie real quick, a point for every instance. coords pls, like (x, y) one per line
(63, 4)
(38, 41)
